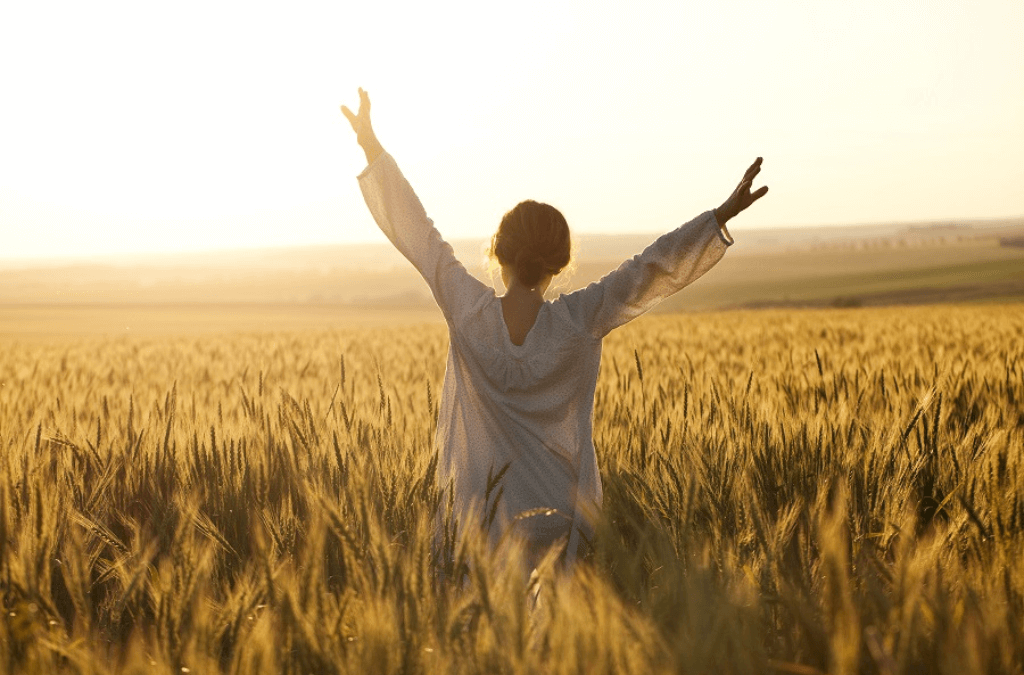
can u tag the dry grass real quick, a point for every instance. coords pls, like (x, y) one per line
(786, 491)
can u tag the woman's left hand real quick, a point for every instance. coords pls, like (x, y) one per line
(360, 122)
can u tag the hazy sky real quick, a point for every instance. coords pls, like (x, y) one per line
(143, 126)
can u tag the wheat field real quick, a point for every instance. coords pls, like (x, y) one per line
(833, 491)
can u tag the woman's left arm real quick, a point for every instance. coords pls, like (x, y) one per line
(400, 215)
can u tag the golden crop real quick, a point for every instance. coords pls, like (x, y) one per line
(785, 491)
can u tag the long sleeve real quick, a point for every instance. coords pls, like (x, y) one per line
(404, 221)
(673, 261)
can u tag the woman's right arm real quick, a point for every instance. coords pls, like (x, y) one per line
(673, 261)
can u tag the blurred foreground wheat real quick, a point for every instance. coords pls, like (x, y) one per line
(797, 492)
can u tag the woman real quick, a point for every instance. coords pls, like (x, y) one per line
(514, 430)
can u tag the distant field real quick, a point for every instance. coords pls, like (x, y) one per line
(43, 321)
(866, 266)
(970, 271)
(977, 271)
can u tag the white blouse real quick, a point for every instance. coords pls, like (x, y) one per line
(528, 408)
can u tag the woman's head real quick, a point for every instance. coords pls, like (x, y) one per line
(532, 242)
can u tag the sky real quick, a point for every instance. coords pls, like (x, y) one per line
(177, 126)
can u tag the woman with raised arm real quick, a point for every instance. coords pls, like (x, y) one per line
(518, 395)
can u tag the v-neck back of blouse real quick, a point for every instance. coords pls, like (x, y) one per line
(509, 329)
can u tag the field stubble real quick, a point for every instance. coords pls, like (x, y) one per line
(791, 491)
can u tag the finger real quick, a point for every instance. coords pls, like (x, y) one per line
(364, 100)
(753, 170)
(348, 114)
(757, 194)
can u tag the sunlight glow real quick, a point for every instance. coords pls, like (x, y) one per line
(140, 127)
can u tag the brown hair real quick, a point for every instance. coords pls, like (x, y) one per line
(534, 239)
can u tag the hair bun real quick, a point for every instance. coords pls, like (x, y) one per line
(533, 239)
(530, 268)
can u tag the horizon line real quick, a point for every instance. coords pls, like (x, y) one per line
(72, 258)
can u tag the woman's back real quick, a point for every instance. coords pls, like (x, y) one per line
(522, 410)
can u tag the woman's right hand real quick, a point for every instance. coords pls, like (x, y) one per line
(741, 197)
(360, 122)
